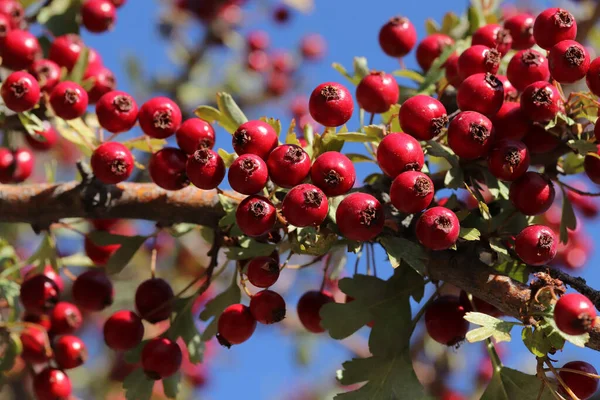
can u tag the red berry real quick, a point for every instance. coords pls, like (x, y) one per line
(257, 40)
(160, 117)
(536, 245)
(532, 193)
(592, 77)
(35, 345)
(20, 91)
(117, 112)
(288, 165)
(582, 386)
(167, 168)
(46, 72)
(478, 59)
(19, 50)
(112, 162)
(39, 294)
(540, 101)
(527, 67)
(277, 84)
(480, 305)
(397, 37)
(483, 93)
(510, 122)
(305, 205)
(65, 50)
(377, 92)
(68, 100)
(255, 215)
(161, 358)
(70, 352)
(257, 61)
(98, 15)
(494, 37)
(574, 314)
(309, 307)
(52, 384)
(431, 48)
(520, 27)
(267, 307)
(569, 61)
(123, 330)
(42, 140)
(283, 62)
(4, 27)
(15, 166)
(14, 11)
(451, 68)
(333, 173)
(510, 92)
(49, 272)
(312, 47)
(153, 300)
(97, 253)
(438, 228)
(118, 3)
(399, 152)
(411, 192)
(281, 14)
(552, 26)
(93, 290)
(103, 81)
(508, 160)
(263, 272)
(248, 174)
(444, 320)
(65, 318)
(540, 141)
(360, 217)
(255, 137)
(236, 325)
(105, 224)
(331, 104)
(591, 164)
(470, 135)
(193, 134)
(423, 117)
(39, 319)
(205, 169)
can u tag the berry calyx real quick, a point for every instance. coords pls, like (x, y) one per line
(397, 37)
(248, 174)
(20, 91)
(554, 25)
(494, 37)
(123, 330)
(377, 92)
(470, 135)
(65, 318)
(508, 160)
(161, 358)
(431, 48)
(582, 386)
(532, 193)
(93, 290)
(117, 111)
(438, 228)
(255, 137)
(540, 101)
(39, 294)
(411, 192)
(98, 15)
(70, 352)
(526, 67)
(288, 165)
(333, 173)
(160, 117)
(331, 104)
(309, 307)
(112, 162)
(478, 59)
(444, 321)
(68, 100)
(360, 217)
(483, 93)
(267, 307)
(167, 168)
(263, 272)
(153, 300)
(536, 245)
(51, 384)
(255, 215)
(574, 314)
(305, 205)
(236, 325)
(193, 134)
(399, 152)
(205, 169)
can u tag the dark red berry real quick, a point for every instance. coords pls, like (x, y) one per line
(592, 77)
(305, 205)
(510, 92)
(123, 330)
(117, 112)
(536, 245)
(46, 72)
(36, 349)
(255, 215)
(411, 192)
(539, 141)
(438, 228)
(65, 318)
(574, 313)
(68, 100)
(470, 135)
(451, 68)
(236, 325)
(480, 305)
(312, 47)
(431, 48)
(248, 174)
(93, 290)
(399, 152)
(20, 91)
(15, 166)
(377, 92)
(281, 14)
(160, 117)
(582, 386)
(554, 25)
(97, 253)
(569, 61)
(444, 320)
(508, 159)
(520, 27)
(118, 3)
(65, 50)
(39, 294)
(494, 37)
(193, 134)
(333, 173)
(591, 164)
(510, 122)
(483, 93)
(331, 104)
(4, 27)
(267, 307)
(263, 272)
(309, 307)
(50, 273)
(70, 352)
(257, 40)
(205, 169)
(527, 67)
(532, 193)
(255, 137)
(360, 217)
(42, 140)
(112, 162)
(288, 165)
(105, 224)
(14, 11)
(540, 101)
(397, 37)
(161, 358)
(19, 50)
(98, 15)
(102, 80)
(52, 384)
(423, 117)
(478, 59)
(167, 168)
(153, 300)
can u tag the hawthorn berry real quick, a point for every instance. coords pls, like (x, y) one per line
(193, 134)
(257, 40)
(236, 325)
(65, 50)
(360, 217)
(591, 165)
(532, 193)
(438, 228)
(15, 166)
(399, 152)
(288, 165)
(592, 77)
(68, 100)
(411, 192)
(526, 67)
(283, 62)
(333, 173)
(98, 15)
(205, 169)
(508, 159)
(554, 25)
(470, 135)
(540, 101)
(255, 137)
(493, 36)
(483, 93)
(312, 47)
(539, 141)
(161, 358)
(35, 345)
(70, 352)
(431, 48)
(397, 37)
(267, 307)
(167, 168)
(520, 27)
(277, 84)
(377, 92)
(263, 272)
(51, 384)
(480, 305)
(309, 307)
(281, 14)
(478, 59)
(248, 174)
(39, 294)
(581, 385)
(42, 320)
(159, 117)
(117, 112)
(123, 330)
(257, 61)
(103, 81)
(510, 92)
(4, 27)
(19, 50)
(153, 300)
(99, 254)
(42, 140)
(574, 314)
(13, 10)
(331, 104)
(444, 320)
(93, 290)
(255, 215)
(112, 162)
(46, 72)
(536, 245)
(569, 61)
(65, 318)
(423, 117)
(510, 122)
(305, 205)
(451, 71)
(20, 91)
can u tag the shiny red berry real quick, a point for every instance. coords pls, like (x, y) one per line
(255, 215)
(591, 164)
(236, 325)
(283, 62)
(20, 91)
(526, 67)
(510, 122)
(123, 330)
(539, 141)
(112, 162)
(97, 253)
(582, 386)
(574, 314)
(263, 272)
(46, 72)
(305, 205)
(159, 117)
(70, 352)
(397, 37)
(483, 93)
(193, 134)
(360, 217)
(532, 193)
(431, 48)
(309, 307)
(161, 358)
(14, 11)
(205, 169)
(331, 104)
(93, 290)
(493, 36)
(98, 16)
(451, 70)
(257, 61)
(470, 135)
(39, 294)
(377, 92)
(438, 228)
(411, 192)
(312, 47)
(102, 80)
(593, 77)
(15, 166)
(552, 26)
(508, 159)
(68, 100)
(569, 61)
(520, 27)
(117, 112)
(36, 349)
(267, 307)
(333, 173)
(153, 300)
(42, 140)
(65, 318)
(167, 168)
(19, 50)
(257, 40)
(255, 137)
(65, 50)
(423, 117)
(444, 321)
(478, 59)
(51, 384)
(399, 152)
(248, 174)
(536, 245)
(288, 165)
(540, 101)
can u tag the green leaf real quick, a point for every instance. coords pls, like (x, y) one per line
(184, 326)
(431, 26)
(310, 241)
(291, 137)
(510, 384)
(133, 356)
(129, 246)
(454, 178)
(541, 339)
(80, 67)
(249, 248)
(490, 327)
(361, 69)
(208, 113)
(60, 17)
(138, 386)
(436, 149)
(45, 254)
(356, 137)
(572, 163)
(275, 123)
(577, 340)
(377, 132)
(582, 146)
(228, 158)
(515, 270)
(216, 306)
(11, 346)
(398, 249)
(230, 110)
(409, 74)
(500, 249)
(171, 385)
(32, 125)
(340, 68)
(470, 234)
(146, 144)
(77, 260)
(357, 158)
(568, 219)
(449, 22)
(475, 16)
(10, 291)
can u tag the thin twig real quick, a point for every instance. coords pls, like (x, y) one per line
(575, 190)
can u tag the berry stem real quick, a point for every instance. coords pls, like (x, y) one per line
(575, 371)
(287, 260)
(371, 118)
(153, 259)
(560, 380)
(243, 281)
(325, 269)
(358, 256)
(373, 262)
(575, 190)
